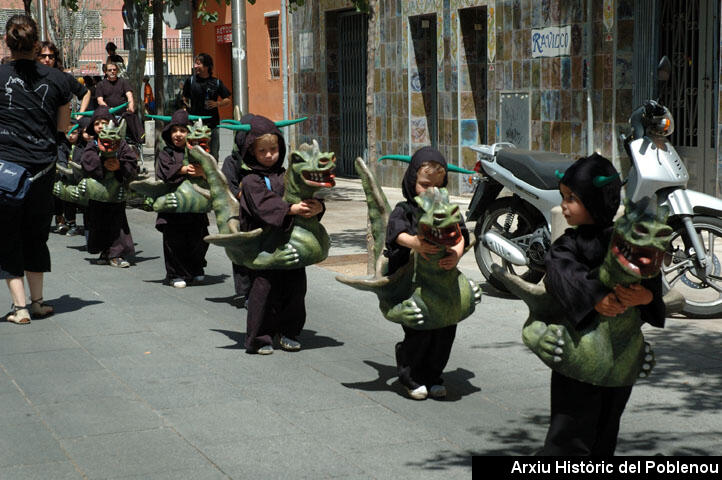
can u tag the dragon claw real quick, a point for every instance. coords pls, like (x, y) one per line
(557, 359)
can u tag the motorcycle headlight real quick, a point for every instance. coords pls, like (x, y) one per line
(661, 125)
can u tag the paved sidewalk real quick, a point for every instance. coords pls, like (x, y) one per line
(134, 379)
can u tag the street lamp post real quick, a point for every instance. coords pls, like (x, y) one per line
(240, 66)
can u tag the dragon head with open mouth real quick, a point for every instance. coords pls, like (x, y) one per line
(439, 222)
(310, 170)
(199, 134)
(639, 242)
(110, 137)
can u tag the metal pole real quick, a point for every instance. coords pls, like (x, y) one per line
(240, 66)
(284, 64)
(43, 24)
(590, 78)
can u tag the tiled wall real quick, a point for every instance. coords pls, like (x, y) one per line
(466, 113)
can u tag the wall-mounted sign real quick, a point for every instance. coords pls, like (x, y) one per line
(551, 41)
(224, 33)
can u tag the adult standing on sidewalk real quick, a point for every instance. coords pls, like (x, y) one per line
(114, 91)
(201, 91)
(34, 113)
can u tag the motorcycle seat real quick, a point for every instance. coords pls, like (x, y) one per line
(535, 168)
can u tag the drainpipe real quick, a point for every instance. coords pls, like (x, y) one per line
(284, 66)
(43, 22)
(240, 65)
(590, 78)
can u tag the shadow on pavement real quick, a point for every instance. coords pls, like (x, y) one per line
(238, 337)
(80, 248)
(311, 340)
(66, 304)
(349, 238)
(457, 382)
(232, 300)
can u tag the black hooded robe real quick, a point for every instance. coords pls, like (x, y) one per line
(584, 417)
(423, 354)
(231, 168)
(106, 223)
(184, 249)
(276, 301)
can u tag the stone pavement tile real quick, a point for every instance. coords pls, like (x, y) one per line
(68, 360)
(31, 341)
(212, 424)
(15, 410)
(241, 368)
(94, 324)
(354, 428)
(124, 344)
(38, 325)
(94, 415)
(313, 391)
(134, 453)
(6, 384)
(55, 470)
(59, 387)
(28, 444)
(209, 472)
(286, 456)
(179, 392)
(413, 460)
(154, 365)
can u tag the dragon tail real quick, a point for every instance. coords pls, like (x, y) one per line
(379, 209)
(225, 206)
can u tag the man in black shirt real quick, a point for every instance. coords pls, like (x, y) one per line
(114, 91)
(201, 91)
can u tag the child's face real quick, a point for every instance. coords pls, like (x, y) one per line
(178, 135)
(266, 150)
(73, 137)
(98, 125)
(573, 209)
(427, 178)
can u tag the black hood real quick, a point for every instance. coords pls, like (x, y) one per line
(423, 155)
(260, 126)
(100, 113)
(602, 201)
(179, 118)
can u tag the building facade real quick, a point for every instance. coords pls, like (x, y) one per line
(452, 73)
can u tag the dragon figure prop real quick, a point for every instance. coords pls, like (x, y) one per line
(610, 351)
(109, 190)
(419, 295)
(192, 194)
(306, 243)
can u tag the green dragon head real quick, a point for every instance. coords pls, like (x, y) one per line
(638, 244)
(110, 137)
(199, 134)
(309, 170)
(439, 222)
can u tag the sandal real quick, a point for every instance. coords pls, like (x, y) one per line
(19, 315)
(38, 309)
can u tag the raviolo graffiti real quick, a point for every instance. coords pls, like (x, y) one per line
(550, 42)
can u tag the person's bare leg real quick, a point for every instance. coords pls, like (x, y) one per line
(37, 307)
(17, 291)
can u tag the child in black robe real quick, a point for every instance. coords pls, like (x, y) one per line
(106, 223)
(423, 354)
(184, 249)
(65, 211)
(276, 302)
(585, 417)
(233, 169)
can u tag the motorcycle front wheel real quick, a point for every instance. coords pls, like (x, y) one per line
(510, 218)
(702, 292)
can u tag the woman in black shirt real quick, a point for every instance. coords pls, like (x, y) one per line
(34, 112)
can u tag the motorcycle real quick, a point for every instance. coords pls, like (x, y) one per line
(515, 231)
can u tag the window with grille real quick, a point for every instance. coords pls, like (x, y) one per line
(185, 38)
(5, 15)
(272, 23)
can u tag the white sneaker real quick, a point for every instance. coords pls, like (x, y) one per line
(437, 391)
(178, 283)
(289, 344)
(419, 393)
(265, 350)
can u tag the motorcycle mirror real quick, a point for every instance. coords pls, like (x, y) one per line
(664, 69)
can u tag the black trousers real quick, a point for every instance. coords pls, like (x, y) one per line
(184, 250)
(241, 280)
(423, 354)
(584, 418)
(276, 305)
(26, 228)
